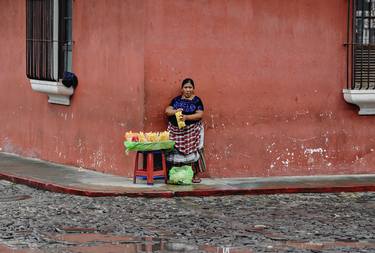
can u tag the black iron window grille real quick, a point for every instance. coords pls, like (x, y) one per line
(361, 44)
(48, 38)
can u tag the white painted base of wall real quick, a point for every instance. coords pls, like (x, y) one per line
(364, 99)
(56, 91)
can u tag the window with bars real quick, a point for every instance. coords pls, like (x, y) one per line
(48, 39)
(360, 57)
(363, 44)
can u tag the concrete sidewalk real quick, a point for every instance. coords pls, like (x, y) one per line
(77, 181)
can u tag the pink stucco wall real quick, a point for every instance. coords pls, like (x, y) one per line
(270, 74)
(108, 60)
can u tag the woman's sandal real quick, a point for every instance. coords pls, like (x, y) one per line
(196, 180)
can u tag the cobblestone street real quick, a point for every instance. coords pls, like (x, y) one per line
(39, 221)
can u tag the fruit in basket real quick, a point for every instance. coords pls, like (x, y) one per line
(142, 137)
(164, 136)
(152, 137)
(147, 137)
(135, 138)
(129, 136)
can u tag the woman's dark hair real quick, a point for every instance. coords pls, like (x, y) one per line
(187, 80)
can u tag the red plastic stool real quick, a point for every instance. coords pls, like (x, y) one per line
(150, 171)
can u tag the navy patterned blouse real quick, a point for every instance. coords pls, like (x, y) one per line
(188, 106)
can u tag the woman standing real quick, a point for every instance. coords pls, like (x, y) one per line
(189, 139)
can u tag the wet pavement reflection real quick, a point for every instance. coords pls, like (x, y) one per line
(98, 243)
(105, 243)
(5, 249)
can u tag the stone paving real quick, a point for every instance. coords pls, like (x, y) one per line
(43, 221)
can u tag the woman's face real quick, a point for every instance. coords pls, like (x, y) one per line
(187, 90)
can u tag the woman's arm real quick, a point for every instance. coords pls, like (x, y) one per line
(196, 116)
(169, 111)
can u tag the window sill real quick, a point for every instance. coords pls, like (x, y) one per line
(56, 91)
(364, 99)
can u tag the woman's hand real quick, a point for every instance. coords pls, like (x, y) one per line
(183, 117)
(170, 111)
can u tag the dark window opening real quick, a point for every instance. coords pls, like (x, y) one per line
(48, 38)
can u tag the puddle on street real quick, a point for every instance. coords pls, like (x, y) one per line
(99, 243)
(331, 245)
(104, 243)
(4, 249)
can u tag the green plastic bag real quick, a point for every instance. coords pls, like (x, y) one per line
(181, 175)
(148, 146)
